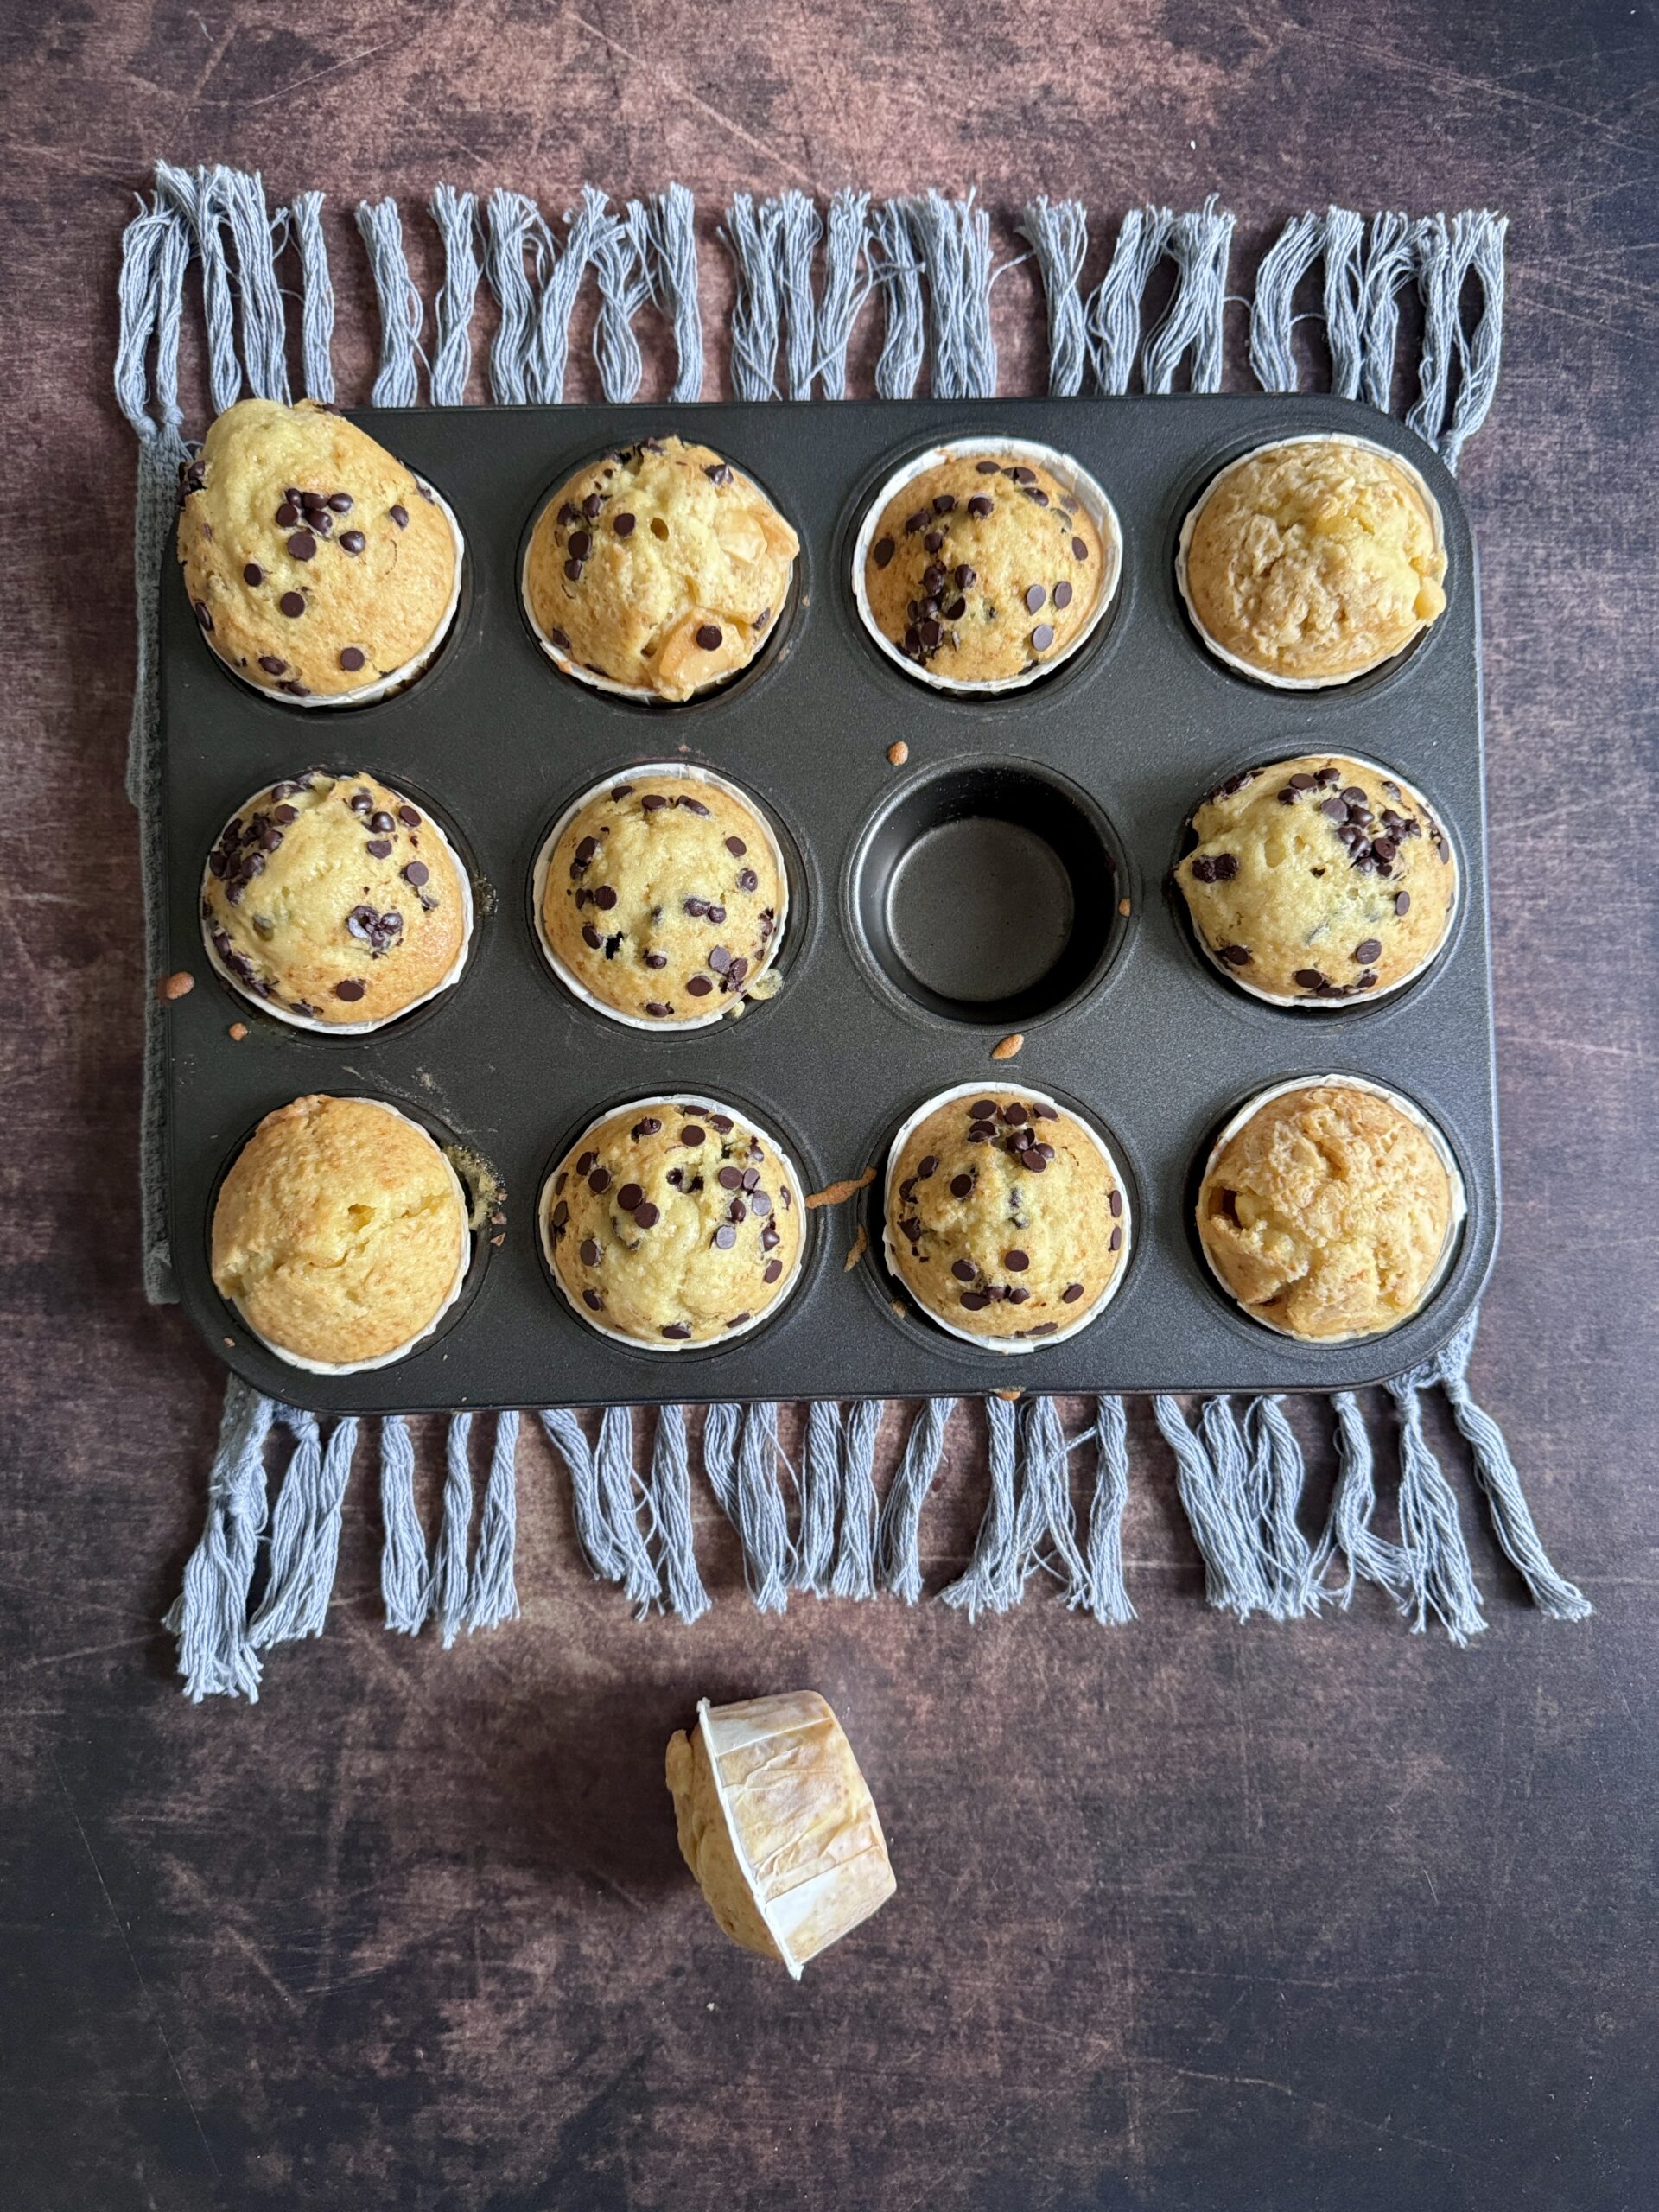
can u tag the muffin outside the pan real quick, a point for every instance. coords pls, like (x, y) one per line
(983, 566)
(1313, 559)
(658, 567)
(1319, 879)
(340, 1232)
(317, 563)
(663, 897)
(672, 1222)
(1327, 1210)
(335, 900)
(1004, 1218)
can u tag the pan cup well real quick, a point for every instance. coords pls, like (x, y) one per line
(986, 894)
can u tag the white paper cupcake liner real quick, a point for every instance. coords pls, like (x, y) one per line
(694, 1102)
(365, 695)
(350, 1028)
(890, 1245)
(1076, 481)
(1455, 1218)
(402, 1350)
(1315, 1002)
(642, 694)
(682, 772)
(1277, 445)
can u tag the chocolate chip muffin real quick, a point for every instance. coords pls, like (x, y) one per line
(1311, 560)
(1319, 879)
(663, 897)
(319, 566)
(985, 566)
(673, 1222)
(340, 1234)
(1005, 1218)
(1327, 1210)
(332, 900)
(659, 568)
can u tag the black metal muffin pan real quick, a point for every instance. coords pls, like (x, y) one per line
(1012, 873)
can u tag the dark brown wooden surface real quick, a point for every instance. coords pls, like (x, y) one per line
(1188, 1914)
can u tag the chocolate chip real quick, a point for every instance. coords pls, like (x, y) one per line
(592, 1301)
(988, 467)
(288, 514)
(975, 1300)
(1326, 777)
(771, 1272)
(1369, 951)
(1403, 902)
(253, 574)
(1079, 550)
(410, 816)
(961, 1185)
(379, 849)
(301, 546)
(1335, 809)
(400, 516)
(292, 604)
(1041, 637)
(656, 960)
(980, 506)
(1072, 1293)
(284, 815)
(692, 1135)
(1062, 595)
(351, 990)
(360, 802)
(882, 552)
(591, 937)
(1367, 981)
(645, 1215)
(930, 634)
(1354, 795)
(1114, 1242)
(272, 665)
(573, 570)
(709, 637)
(944, 503)
(560, 1214)
(650, 1126)
(1311, 980)
(605, 897)
(717, 472)
(202, 615)
(589, 1252)
(725, 1236)
(600, 1181)
(934, 540)
(1035, 595)
(340, 502)
(351, 657)
(957, 609)
(352, 541)
(699, 987)
(1116, 1202)
(580, 544)
(1016, 1261)
(1301, 781)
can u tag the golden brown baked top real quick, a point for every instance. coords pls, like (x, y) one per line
(339, 1231)
(777, 1825)
(315, 561)
(1319, 878)
(673, 1224)
(659, 566)
(335, 897)
(1003, 1217)
(1327, 1212)
(1314, 560)
(983, 566)
(663, 898)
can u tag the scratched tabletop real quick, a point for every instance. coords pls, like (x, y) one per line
(1189, 1915)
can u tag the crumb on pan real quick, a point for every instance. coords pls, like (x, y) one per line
(836, 1194)
(1009, 1046)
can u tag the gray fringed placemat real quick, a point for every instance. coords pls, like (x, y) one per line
(263, 1569)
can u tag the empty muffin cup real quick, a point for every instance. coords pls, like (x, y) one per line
(674, 1223)
(1283, 1224)
(1018, 1264)
(326, 893)
(974, 599)
(1379, 587)
(680, 940)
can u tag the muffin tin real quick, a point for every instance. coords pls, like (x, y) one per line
(976, 889)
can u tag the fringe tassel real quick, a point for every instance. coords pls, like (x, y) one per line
(1284, 265)
(510, 221)
(845, 246)
(264, 330)
(216, 1655)
(1384, 276)
(670, 1503)
(405, 1570)
(1479, 250)
(1106, 1595)
(1212, 1479)
(618, 1492)
(1344, 235)
(665, 232)
(1112, 319)
(1199, 244)
(1276, 1477)
(1439, 1576)
(898, 273)
(602, 1545)
(1349, 1532)
(317, 299)
(305, 1529)
(624, 288)
(854, 1575)
(196, 197)
(953, 239)
(992, 1581)
(801, 229)
(456, 214)
(899, 1541)
(1495, 1471)
(401, 311)
(762, 1518)
(449, 1582)
(1030, 1507)
(1059, 232)
(755, 238)
(493, 1596)
(815, 1543)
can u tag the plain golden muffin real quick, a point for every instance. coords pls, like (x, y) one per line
(659, 566)
(672, 1223)
(335, 898)
(663, 898)
(1327, 1212)
(340, 1232)
(315, 561)
(1319, 879)
(1003, 1217)
(1312, 560)
(984, 566)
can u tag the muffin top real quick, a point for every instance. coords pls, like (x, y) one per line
(1327, 1212)
(334, 897)
(1319, 879)
(660, 566)
(1003, 1217)
(340, 1230)
(316, 563)
(1315, 560)
(983, 566)
(672, 1223)
(662, 897)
